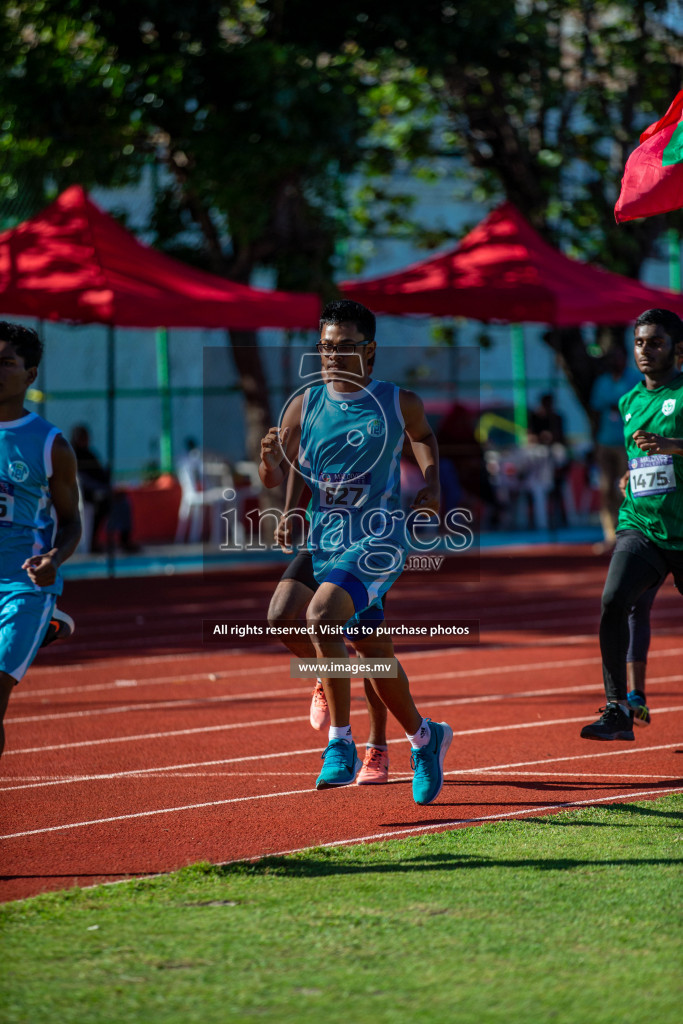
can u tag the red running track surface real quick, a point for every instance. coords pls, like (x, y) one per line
(135, 749)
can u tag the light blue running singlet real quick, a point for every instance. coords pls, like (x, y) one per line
(350, 456)
(28, 523)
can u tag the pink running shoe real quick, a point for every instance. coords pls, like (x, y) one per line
(320, 713)
(375, 769)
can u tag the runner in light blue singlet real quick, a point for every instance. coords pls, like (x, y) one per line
(350, 456)
(347, 436)
(27, 527)
(39, 518)
(27, 520)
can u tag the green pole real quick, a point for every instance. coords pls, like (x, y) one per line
(674, 260)
(519, 381)
(164, 384)
(111, 430)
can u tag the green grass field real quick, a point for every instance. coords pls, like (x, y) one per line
(570, 918)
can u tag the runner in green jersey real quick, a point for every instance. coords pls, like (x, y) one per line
(650, 530)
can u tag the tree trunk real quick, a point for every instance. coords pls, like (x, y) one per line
(258, 415)
(579, 366)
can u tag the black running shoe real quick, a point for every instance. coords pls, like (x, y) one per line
(61, 627)
(614, 724)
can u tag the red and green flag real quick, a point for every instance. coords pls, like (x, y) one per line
(653, 176)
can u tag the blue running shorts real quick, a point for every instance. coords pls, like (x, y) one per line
(366, 571)
(24, 617)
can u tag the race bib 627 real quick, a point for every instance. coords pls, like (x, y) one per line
(347, 489)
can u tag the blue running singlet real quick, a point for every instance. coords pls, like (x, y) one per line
(28, 523)
(350, 456)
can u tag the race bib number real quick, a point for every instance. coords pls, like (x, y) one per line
(651, 474)
(346, 490)
(6, 503)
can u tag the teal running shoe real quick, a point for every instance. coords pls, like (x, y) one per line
(641, 712)
(427, 763)
(340, 765)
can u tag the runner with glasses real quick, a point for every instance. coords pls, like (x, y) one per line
(289, 602)
(347, 434)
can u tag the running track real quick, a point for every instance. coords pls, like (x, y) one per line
(134, 749)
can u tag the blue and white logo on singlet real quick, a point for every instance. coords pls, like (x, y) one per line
(18, 471)
(376, 427)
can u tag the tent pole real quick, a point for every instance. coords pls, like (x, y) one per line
(111, 441)
(43, 388)
(674, 260)
(164, 384)
(519, 382)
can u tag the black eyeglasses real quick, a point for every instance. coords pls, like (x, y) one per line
(345, 348)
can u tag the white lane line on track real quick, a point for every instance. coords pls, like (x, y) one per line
(144, 772)
(301, 792)
(160, 658)
(227, 674)
(434, 827)
(231, 726)
(198, 703)
(531, 617)
(570, 775)
(160, 773)
(178, 658)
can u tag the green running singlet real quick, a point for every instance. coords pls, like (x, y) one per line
(654, 499)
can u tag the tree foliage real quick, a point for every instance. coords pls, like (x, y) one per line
(257, 113)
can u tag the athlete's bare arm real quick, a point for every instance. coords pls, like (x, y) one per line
(293, 492)
(281, 444)
(623, 484)
(42, 569)
(656, 444)
(424, 448)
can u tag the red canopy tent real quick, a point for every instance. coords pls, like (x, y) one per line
(74, 262)
(503, 270)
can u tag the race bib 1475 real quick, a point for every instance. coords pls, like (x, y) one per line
(651, 474)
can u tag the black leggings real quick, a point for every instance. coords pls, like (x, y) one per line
(629, 576)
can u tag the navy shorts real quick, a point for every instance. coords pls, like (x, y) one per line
(300, 569)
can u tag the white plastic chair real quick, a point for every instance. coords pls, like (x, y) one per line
(202, 487)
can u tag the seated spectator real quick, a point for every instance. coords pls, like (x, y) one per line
(109, 506)
(462, 462)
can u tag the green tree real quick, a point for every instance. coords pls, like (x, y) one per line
(253, 133)
(256, 112)
(544, 100)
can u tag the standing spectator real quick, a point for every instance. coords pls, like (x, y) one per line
(546, 427)
(609, 453)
